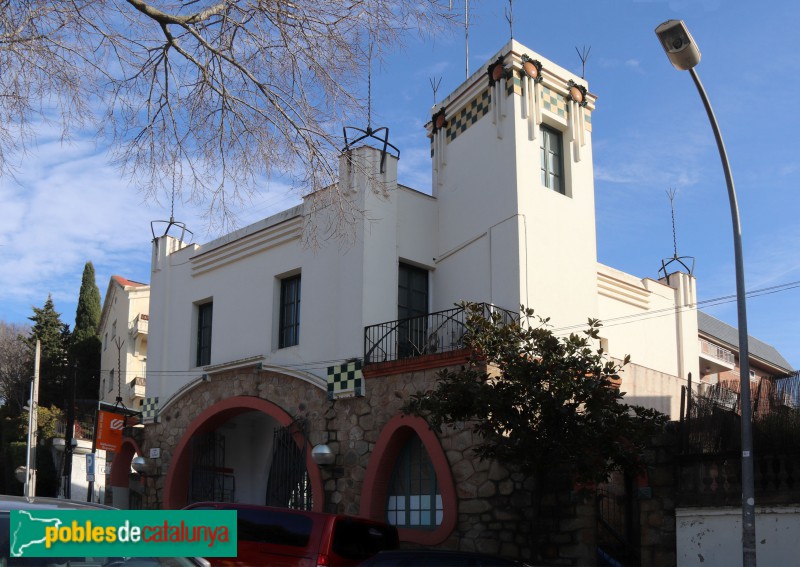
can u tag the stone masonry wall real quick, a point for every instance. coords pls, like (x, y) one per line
(495, 508)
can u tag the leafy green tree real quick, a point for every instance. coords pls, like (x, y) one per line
(540, 403)
(85, 348)
(55, 341)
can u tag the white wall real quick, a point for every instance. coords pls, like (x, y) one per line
(713, 536)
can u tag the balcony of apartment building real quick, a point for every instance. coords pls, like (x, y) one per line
(136, 389)
(139, 325)
(426, 341)
(715, 359)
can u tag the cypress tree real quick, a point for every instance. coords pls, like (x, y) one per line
(85, 352)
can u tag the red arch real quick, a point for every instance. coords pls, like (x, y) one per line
(177, 483)
(379, 471)
(121, 465)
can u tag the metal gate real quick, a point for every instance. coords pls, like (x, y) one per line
(210, 479)
(618, 536)
(289, 485)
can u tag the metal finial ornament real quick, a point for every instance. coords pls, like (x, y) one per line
(171, 222)
(682, 260)
(584, 56)
(510, 18)
(369, 132)
(435, 87)
(466, 35)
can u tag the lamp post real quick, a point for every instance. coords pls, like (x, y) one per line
(684, 54)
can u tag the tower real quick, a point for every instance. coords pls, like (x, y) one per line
(511, 154)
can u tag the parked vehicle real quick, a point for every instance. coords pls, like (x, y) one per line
(8, 503)
(436, 558)
(280, 537)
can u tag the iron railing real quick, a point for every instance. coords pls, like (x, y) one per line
(434, 333)
(716, 351)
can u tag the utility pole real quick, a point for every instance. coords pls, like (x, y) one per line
(33, 425)
(67, 474)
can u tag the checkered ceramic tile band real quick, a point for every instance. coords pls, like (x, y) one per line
(477, 108)
(345, 379)
(149, 409)
(553, 102)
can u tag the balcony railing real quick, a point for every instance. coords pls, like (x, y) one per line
(715, 351)
(137, 387)
(434, 333)
(140, 324)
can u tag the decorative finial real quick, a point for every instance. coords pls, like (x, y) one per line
(584, 55)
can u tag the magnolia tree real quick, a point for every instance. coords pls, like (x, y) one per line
(540, 402)
(209, 95)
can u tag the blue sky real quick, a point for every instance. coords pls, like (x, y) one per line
(68, 204)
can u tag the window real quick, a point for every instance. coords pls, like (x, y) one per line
(289, 324)
(111, 380)
(412, 304)
(552, 157)
(204, 316)
(113, 329)
(414, 498)
(105, 341)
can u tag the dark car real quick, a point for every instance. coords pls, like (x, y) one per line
(436, 558)
(281, 537)
(9, 503)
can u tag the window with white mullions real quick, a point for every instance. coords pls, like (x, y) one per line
(552, 159)
(414, 500)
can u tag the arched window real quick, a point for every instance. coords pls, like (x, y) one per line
(414, 499)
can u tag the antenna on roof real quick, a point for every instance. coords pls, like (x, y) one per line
(584, 55)
(369, 132)
(466, 35)
(675, 258)
(510, 18)
(171, 222)
(435, 87)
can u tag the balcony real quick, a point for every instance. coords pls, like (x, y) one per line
(139, 325)
(137, 387)
(714, 358)
(404, 340)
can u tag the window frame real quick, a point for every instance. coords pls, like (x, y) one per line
(205, 311)
(289, 307)
(548, 133)
(414, 463)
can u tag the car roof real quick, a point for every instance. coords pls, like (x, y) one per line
(9, 502)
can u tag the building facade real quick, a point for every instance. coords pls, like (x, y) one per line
(264, 349)
(123, 331)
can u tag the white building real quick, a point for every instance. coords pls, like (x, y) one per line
(255, 334)
(123, 330)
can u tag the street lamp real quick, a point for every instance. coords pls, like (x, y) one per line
(684, 54)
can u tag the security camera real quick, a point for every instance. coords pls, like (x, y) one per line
(678, 44)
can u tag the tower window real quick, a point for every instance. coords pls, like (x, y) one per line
(552, 159)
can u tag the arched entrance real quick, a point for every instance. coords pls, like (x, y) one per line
(246, 449)
(120, 480)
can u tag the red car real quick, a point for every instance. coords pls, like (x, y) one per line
(280, 537)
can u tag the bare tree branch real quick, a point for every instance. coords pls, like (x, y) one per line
(207, 97)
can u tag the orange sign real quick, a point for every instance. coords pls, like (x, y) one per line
(109, 430)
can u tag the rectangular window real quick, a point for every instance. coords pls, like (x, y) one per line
(111, 380)
(552, 158)
(289, 325)
(113, 329)
(412, 306)
(204, 316)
